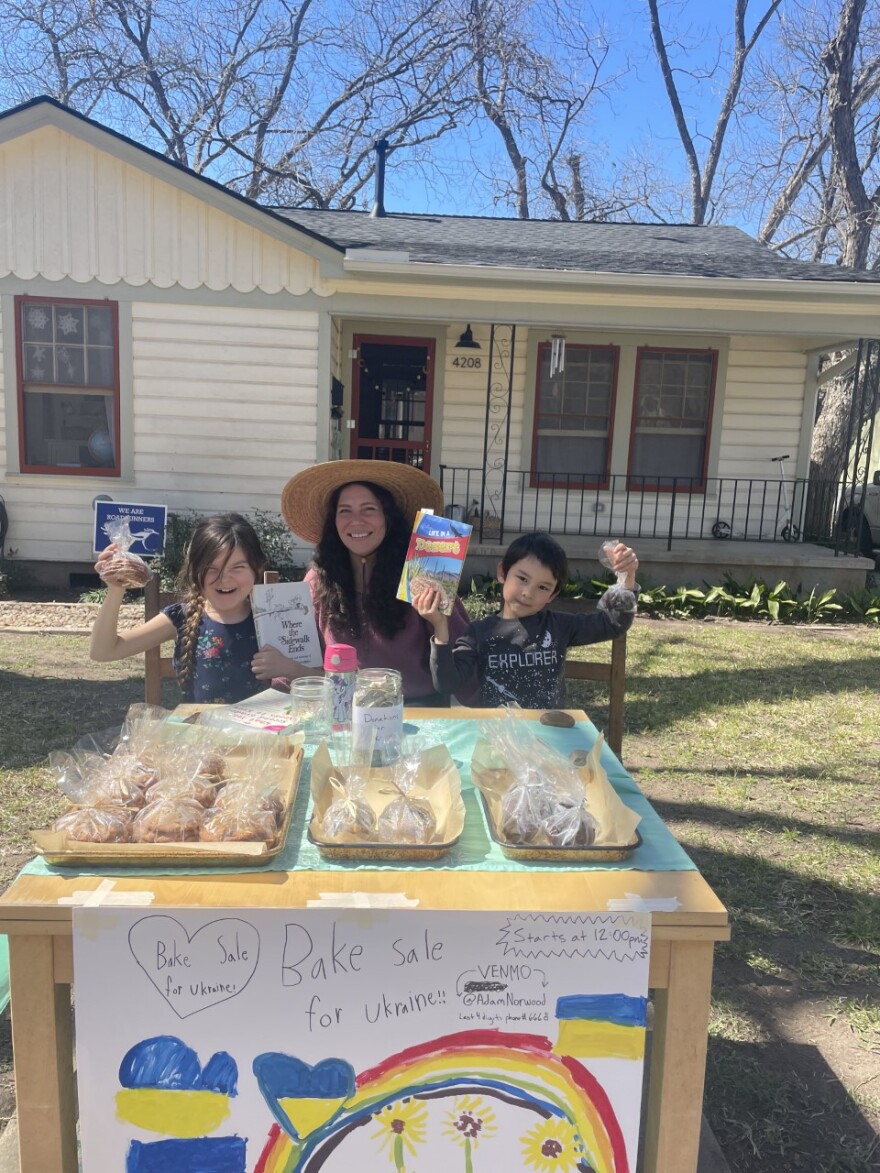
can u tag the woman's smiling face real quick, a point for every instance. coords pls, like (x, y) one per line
(360, 520)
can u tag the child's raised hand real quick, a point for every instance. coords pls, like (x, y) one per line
(427, 603)
(107, 576)
(623, 561)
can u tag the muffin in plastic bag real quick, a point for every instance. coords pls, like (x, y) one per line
(171, 820)
(123, 568)
(349, 815)
(106, 824)
(526, 806)
(406, 819)
(240, 824)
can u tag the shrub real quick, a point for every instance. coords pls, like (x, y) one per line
(729, 599)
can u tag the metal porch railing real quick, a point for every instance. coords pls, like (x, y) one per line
(565, 504)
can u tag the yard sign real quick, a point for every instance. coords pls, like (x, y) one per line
(285, 1040)
(147, 524)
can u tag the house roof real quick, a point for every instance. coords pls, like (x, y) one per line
(478, 242)
(684, 250)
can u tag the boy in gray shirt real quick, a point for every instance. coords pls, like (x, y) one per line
(518, 655)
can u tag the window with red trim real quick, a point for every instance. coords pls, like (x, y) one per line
(68, 386)
(672, 413)
(571, 439)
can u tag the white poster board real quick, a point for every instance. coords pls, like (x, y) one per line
(284, 617)
(268, 1041)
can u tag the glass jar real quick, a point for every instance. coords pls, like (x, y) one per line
(377, 709)
(310, 707)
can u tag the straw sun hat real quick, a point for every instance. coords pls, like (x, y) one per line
(305, 497)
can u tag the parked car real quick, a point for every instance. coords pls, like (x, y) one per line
(869, 527)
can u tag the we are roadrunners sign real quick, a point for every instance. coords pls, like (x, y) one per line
(146, 524)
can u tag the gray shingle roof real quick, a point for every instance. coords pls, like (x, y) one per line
(648, 249)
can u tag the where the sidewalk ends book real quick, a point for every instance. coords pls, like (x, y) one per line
(285, 619)
(435, 558)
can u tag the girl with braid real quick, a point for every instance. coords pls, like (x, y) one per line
(215, 653)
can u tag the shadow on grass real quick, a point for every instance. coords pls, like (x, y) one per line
(785, 914)
(706, 691)
(41, 713)
(736, 820)
(777, 1106)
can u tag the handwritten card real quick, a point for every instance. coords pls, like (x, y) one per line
(285, 619)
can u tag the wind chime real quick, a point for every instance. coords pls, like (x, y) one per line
(557, 355)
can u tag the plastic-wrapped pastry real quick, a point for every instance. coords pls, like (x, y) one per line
(240, 825)
(171, 820)
(105, 824)
(349, 815)
(240, 794)
(527, 804)
(406, 819)
(209, 764)
(126, 570)
(116, 786)
(570, 825)
(196, 788)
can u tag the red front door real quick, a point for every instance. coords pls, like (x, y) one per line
(392, 399)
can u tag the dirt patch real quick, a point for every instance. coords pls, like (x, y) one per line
(51, 618)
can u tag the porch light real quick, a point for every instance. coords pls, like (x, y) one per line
(466, 340)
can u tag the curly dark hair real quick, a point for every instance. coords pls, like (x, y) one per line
(335, 593)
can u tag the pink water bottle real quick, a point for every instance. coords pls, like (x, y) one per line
(340, 667)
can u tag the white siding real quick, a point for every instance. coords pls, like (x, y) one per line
(224, 413)
(68, 209)
(763, 406)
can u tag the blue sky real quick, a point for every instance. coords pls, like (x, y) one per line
(634, 113)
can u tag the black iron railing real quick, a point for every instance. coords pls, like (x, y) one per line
(738, 508)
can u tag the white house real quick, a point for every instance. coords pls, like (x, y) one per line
(164, 340)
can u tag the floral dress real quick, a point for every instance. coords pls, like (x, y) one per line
(222, 670)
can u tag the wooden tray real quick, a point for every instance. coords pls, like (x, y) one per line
(56, 848)
(547, 853)
(382, 852)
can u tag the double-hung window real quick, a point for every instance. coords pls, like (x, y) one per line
(672, 412)
(68, 386)
(574, 407)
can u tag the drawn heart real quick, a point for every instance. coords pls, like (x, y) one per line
(301, 1097)
(195, 972)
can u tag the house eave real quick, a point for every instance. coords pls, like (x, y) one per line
(356, 263)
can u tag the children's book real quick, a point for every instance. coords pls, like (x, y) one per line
(435, 558)
(285, 618)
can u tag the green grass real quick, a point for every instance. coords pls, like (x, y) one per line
(761, 749)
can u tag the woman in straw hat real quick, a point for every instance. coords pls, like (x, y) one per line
(358, 514)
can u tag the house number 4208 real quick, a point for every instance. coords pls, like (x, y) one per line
(470, 363)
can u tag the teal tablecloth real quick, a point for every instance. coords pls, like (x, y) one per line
(475, 851)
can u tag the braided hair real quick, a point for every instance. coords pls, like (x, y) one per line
(335, 590)
(214, 538)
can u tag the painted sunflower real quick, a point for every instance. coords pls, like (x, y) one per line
(402, 1127)
(553, 1146)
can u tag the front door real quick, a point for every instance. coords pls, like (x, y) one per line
(392, 399)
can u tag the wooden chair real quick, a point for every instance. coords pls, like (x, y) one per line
(614, 675)
(156, 666)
